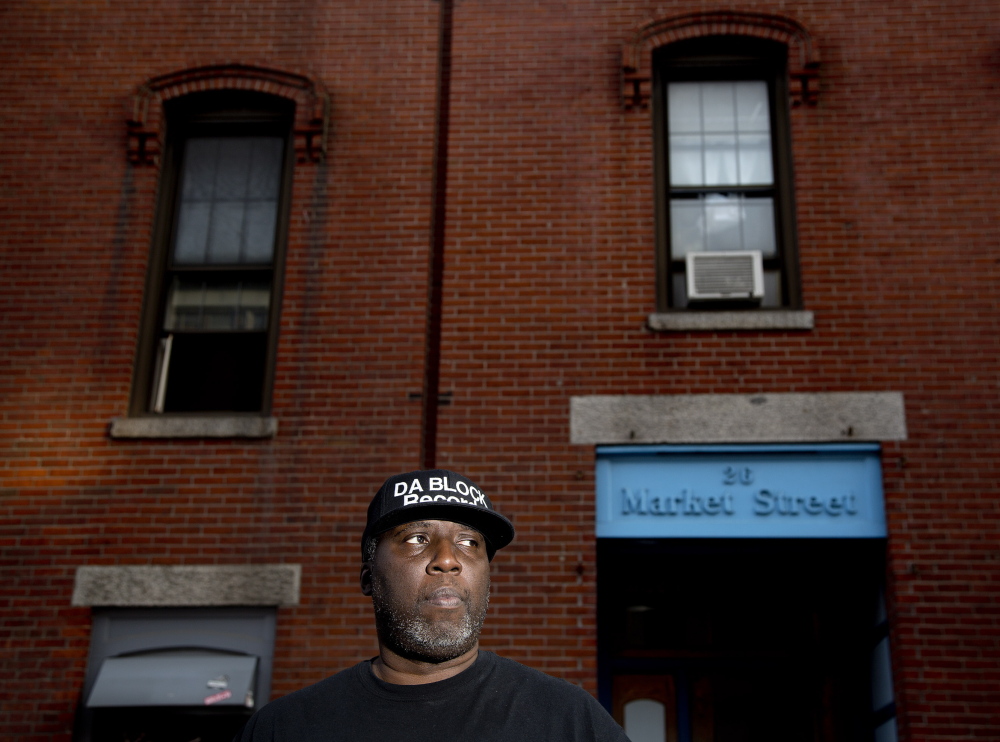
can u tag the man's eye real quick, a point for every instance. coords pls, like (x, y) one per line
(470, 542)
(417, 538)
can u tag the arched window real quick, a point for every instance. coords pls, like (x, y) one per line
(212, 297)
(725, 207)
(226, 139)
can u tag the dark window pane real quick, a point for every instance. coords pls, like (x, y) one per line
(228, 205)
(201, 160)
(259, 224)
(216, 372)
(264, 179)
(233, 169)
(225, 232)
(192, 232)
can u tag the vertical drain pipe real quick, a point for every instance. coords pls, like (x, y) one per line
(439, 186)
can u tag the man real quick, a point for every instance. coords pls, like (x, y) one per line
(427, 549)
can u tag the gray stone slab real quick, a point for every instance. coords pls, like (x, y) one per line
(737, 418)
(231, 426)
(763, 319)
(196, 585)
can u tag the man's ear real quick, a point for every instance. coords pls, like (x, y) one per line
(366, 578)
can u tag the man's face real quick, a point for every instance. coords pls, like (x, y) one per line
(430, 587)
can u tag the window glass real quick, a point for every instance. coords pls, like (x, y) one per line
(686, 160)
(194, 304)
(229, 200)
(757, 220)
(719, 155)
(719, 221)
(687, 227)
(754, 160)
(720, 133)
(684, 108)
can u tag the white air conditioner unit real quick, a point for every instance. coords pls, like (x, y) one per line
(725, 276)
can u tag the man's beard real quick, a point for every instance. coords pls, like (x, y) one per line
(414, 636)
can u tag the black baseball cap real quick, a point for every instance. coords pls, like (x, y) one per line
(436, 494)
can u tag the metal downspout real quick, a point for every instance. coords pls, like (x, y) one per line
(439, 185)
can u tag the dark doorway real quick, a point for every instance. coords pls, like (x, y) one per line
(166, 725)
(740, 640)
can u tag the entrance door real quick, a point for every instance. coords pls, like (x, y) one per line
(646, 705)
(731, 704)
(738, 641)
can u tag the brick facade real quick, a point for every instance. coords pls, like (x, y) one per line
(549, 282)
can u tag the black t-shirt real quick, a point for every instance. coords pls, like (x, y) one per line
(495, 699)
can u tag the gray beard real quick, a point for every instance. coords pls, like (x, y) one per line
(410, 635)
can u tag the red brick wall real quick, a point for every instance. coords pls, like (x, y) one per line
(549, 278)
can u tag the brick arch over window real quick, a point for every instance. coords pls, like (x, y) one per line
(803, 56)
(312, 105)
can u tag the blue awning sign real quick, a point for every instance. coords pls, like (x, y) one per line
(772, 491)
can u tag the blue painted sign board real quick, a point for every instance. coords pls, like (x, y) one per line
(749, 491)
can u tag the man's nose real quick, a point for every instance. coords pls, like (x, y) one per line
(445, 559)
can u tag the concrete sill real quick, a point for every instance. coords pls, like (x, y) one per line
(753, 319)
(222, 426)
(188, 585)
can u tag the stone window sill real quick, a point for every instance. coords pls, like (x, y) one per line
(755, 319)
(221, 426)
